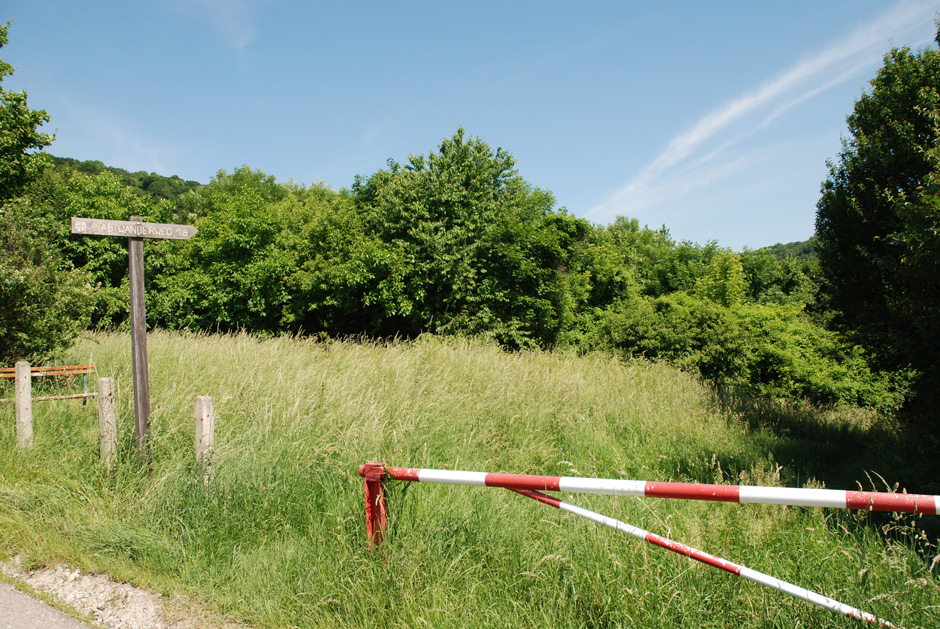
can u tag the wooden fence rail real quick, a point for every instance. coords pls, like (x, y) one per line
(23, 375)
(57, 371)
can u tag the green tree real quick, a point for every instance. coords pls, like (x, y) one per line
(336, 264)
(679, 267)
(20, 137)
(878, 219)
(232, 275)
(57, 196)
(466, 245)
(44, 301)
(723, 280)
(779, 279)
(623, 259)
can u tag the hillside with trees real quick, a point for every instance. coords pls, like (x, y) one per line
(156, 186)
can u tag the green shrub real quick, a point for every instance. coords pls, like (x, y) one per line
(44, 302)
(766, 349)
(689, 332)
(790, 356)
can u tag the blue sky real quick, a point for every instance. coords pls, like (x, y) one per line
(714, 119)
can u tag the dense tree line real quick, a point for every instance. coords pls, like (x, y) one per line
(456, 242)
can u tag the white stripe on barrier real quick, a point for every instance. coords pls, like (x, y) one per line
(452, 477)
(833, 498)
(612, 487)
(603, 520)
(811, 597)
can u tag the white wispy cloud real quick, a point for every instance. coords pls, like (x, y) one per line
(707, 140)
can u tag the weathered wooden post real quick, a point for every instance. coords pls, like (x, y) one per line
(23, 388)
(107, 421)
(139, 362)
(205, 429)
(135, 231)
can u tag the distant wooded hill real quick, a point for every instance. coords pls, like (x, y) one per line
(803, 251)
(157, 186)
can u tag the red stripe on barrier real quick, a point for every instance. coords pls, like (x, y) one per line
(523, 481)
(376, 508)
(694, 491)
(403, 473)
(697, 555)
(549, 500)
(906, 503)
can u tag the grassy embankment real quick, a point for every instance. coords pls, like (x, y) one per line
(277, 539)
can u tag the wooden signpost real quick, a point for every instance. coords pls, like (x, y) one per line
(135, 230)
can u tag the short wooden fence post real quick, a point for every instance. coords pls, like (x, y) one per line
(23, 387)
(107, 421)
(205, 430)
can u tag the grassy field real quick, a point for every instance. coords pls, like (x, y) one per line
(277, 539)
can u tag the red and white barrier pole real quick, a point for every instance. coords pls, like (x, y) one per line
(832, 498)
(711, 560)
(374, 473)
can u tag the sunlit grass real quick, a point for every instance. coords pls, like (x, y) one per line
(278, 537)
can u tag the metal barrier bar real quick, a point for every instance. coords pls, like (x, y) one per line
(530, 486)
(711, 560)
(794, 496)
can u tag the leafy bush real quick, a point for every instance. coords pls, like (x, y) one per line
(44, 302)
(56, 197)
(231, 275)
(767, 349)
(474, 248)
(790, 356)
(690, 332)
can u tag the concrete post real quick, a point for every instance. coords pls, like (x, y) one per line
(205, 429)
(23, 386)
(107, 421)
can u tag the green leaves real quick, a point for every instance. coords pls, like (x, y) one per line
(877, 219)
(457, 243)
(232, 276)
(468, 246)
(44, 303)
(723, 280)
(19, 135)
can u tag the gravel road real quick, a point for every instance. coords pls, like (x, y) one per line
(20, 611)
(113, 605)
